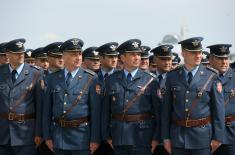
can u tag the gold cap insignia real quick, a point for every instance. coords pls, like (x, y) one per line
(95, 53)
(19, 44)
(165, 48)
(135, 44)
(29, 53)
(113, 47)
(75, 42)
(223, 49)
(195, 42)
(204, 56)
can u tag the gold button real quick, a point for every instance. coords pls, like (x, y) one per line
(65, 103)
(186, 110)
(126, 100)
(64, 112)
(187, 91)
(65, 94)
(186, 100)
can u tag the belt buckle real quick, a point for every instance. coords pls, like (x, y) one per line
(62, 123)
(186, 123)
(10, 116)
(21, 118)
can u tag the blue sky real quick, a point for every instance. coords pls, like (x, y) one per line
(100, 21)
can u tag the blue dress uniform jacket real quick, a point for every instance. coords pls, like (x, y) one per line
(178, 100)
(228, 83)
(16, 132)
(59, 98)
(117, 94)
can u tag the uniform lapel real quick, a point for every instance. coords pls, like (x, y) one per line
(23, 75)
(182, 77)
(7, 76)
(198, 76)
(76, 79)
(135, 78)
(61, 78)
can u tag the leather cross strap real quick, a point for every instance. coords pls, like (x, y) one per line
(229, 119)
(196, 100)
(140, 92)
(231, 95)
(76, 101)
(22, 97)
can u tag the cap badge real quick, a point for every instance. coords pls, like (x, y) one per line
(19, 44)
(165, 48)
(29, 53)
(204, 56)
(196, 43)
(223, 49)
(135, 44)
(75, 42)
(95, 53)
(113, 47)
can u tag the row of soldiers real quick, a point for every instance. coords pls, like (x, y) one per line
(130, 110)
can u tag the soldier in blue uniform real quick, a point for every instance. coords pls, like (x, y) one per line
(219, 59)
(72, 105)
(3, 58)
(130, 109)
(163, 58)
(28, 57)
(144, 64)
(108, 58)
(41, 59)
(91, 59)
(54, 57)
(193, 106)
(20, 103)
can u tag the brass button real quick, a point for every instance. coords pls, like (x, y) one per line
(186, 109)
(65, 103)
(186, 100)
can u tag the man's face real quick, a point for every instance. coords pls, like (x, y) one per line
(219, 63)
(192, 59)
(92, 64)
(4, 59)
(56, 62)
(72, 59)
(15, 59)
(109, 61)
(163, 64)
(30, 61)
(144, 64)
(131, 60)
(42, 62)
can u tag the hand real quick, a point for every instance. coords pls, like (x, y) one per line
(93, 147)
(37, 140)
(154, 145)
(167, 146)
(215, 145)
(50, 145)
(110, 142)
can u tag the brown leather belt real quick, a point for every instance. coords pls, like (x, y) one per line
(192, 123)
(229, 119)
(17, 117)
(71, 123)
(132, 118)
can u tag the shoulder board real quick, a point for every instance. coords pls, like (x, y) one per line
(90, 72)
(212, 69)
(36, 67)
(177, 68)
(151, 74)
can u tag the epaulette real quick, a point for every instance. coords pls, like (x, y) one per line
(150, 73)
(212, 69)
(36, 67)
(177, 68)
(90, 72)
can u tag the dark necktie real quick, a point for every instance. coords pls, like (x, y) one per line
(160, 79)
(68, 78)
(13, 75)
(128, 79)
(190, 77)
(106, 75)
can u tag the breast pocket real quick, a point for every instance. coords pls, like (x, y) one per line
(4, 89)
(80, 95)
(57, 94)
(113, 95)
